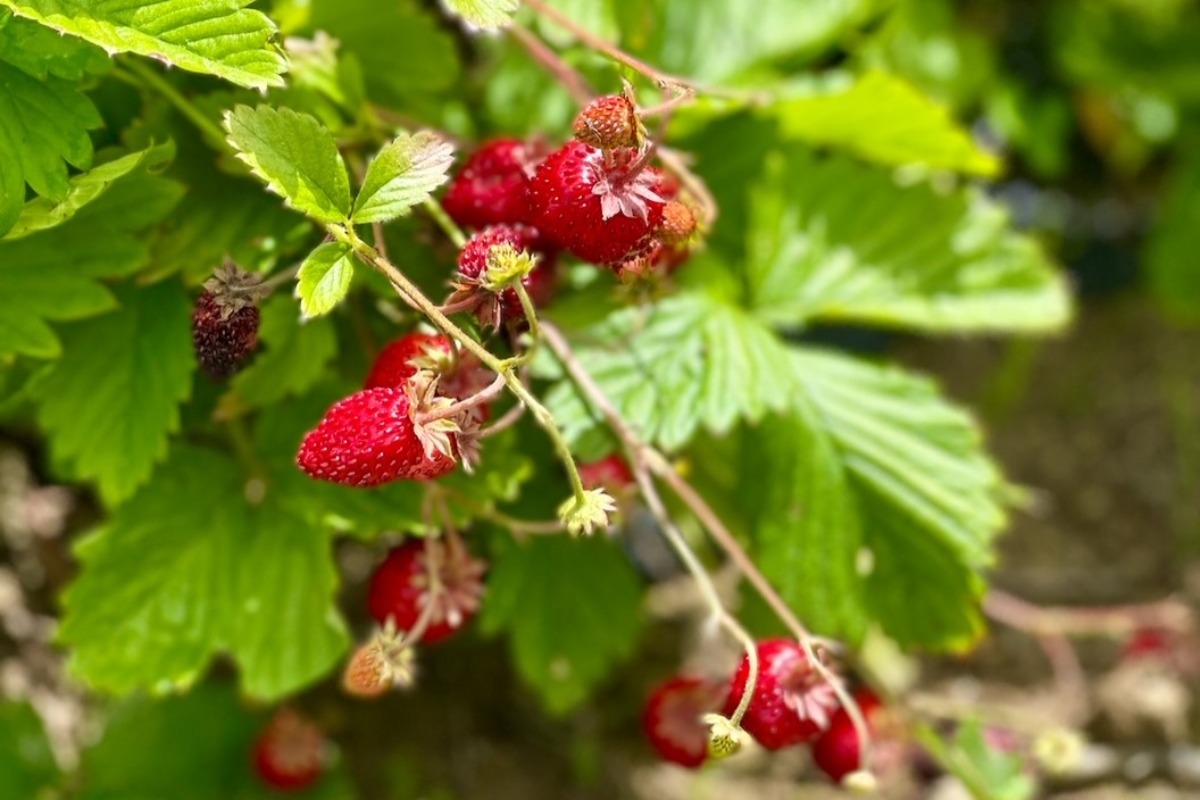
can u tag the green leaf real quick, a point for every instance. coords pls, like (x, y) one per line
(39, 51)
(295, 355)
(721, 40)
(926, 491)
(186, 570)
(571, 608)
(486, 14)
(1173, 244)
(42, 125)
(216, 37)
(405, 51)
(27, 765)
(884, 119)
(139, 755)
(985, 771)
(688, 361)
(43, 213)
(296, 156)
(52, 275)
(324, 278)
(803, 521)
(109, 405)
(836, 241)
(402, 175)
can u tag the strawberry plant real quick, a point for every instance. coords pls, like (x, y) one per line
(363, 327)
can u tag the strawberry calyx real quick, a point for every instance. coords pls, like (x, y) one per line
(434, 430)
(233, 288)
(584, 513)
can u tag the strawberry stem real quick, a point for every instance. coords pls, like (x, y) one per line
(484, 395)
(644, 456)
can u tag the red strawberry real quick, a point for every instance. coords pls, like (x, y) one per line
(611, 473)
(672, 719)
(290, 752)
(373, 437)
(404, 357)
(836, 751)
(1147, 643)
(513, 241)
(600, 205)
(491, 187)
(459, 376)
(225, 321)
(608, 122)
(791, 702)
(400, 588)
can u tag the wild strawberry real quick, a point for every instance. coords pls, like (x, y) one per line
(608, 122)
(1147, 643)
(290, 753)
(489, 257)
(401, 590)
(836, 751)
(378, 435)
(611, 473)
(460, 374)
(225, 321)
(600, 205)
(491, 187)
(367, 674)
(672, 719)
(402, 358)
(791, 703)
(678, 224)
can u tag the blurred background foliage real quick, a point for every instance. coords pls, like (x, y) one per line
(1093, 107)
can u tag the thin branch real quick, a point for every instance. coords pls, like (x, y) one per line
(571, 79)
(1169, 613)
(641, 453)
(593, 41)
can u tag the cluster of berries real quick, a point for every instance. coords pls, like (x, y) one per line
(791, 704)
(597, 197)
(406, 423)
(425, 591)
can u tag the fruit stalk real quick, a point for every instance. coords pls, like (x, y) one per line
(640, 453)
(675, 538)
(484, 395)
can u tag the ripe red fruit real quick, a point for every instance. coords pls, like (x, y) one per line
(404, 357)
(611, 473)
(608, 122)
(460, 375)
(791, 703)
(836, 751)
(290, 752)
(1147, 643)
(400, 587)
(672, 718)
(225, 321)
(373, 437)
(600, 205)
(491, 187)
